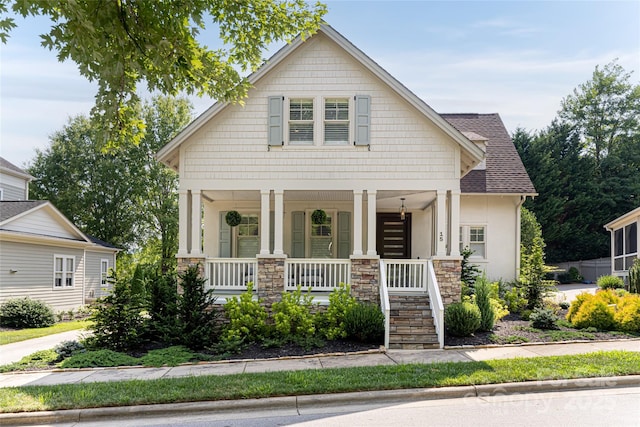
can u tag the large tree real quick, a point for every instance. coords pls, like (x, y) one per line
(124, 196)
(123, 43)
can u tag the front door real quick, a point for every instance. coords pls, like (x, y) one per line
(393, 235)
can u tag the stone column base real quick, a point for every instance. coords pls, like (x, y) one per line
(270, 278)
(448, 271)
(365, 279)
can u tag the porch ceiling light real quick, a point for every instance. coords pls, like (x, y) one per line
(403, 210)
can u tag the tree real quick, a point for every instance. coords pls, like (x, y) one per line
(122, 43)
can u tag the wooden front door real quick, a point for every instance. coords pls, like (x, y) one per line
(393, 236)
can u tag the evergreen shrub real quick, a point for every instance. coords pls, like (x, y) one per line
(610, 282)
(26, 313)
(483, 301)
(365, 323)
(543, 318)
(462, 318)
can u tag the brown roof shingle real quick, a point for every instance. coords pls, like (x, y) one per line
(505, 172)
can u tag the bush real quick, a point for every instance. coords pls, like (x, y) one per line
(483, 301)
(627, 316)
(469, 272)
(514, 297)
(162, 310)
(365, 323)
(610, 282)
(99, 358)
(595, 311)
(26, 313)
(292, 315)
(543, 318)
(634, 277)
(574, 275)
(67, 349)
(462, 318)
(564, 304)
(340, 302)
(247, 318)
(576, 304)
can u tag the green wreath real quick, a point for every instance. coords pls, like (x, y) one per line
(233, 218)
(319, 217)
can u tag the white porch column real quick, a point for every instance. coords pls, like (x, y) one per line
(265, 200)
(278, 231)
(441, 231)
(196, 223)
(455, 222)
(183, 222)
(357, 222)
(371, 222)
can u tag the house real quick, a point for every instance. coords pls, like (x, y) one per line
(44, 256)
(625, 235)
(14, 182)
(339, 173)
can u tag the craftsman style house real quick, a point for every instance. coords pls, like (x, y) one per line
(332, 171)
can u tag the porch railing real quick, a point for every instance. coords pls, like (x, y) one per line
(435, 300)
(385, 306)
(232, 274)
(317, 274)
(406, 275)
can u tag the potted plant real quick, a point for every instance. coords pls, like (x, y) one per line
(233, 218)
(318, 217)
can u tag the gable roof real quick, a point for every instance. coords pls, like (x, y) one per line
(11, 169)
(13, 210)
(504, 171)
(471, 154)
(623, 220)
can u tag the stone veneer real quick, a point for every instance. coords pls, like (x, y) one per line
(448, 273)
(184, 263)
(270, 279)
(364, 279)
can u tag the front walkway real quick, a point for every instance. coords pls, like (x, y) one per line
(10, 353)
(371, 358)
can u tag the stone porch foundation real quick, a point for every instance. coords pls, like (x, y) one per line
(448, 272)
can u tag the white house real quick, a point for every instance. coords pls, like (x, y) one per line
(625, 235)
(14, 182)
(46, 257)
(403, 188)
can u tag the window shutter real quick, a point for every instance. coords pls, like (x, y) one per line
(344, 234)
(275, 121)
(363, 119)
(297, 234)
(224, 248)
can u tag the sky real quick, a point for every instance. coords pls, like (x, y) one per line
(515, 58)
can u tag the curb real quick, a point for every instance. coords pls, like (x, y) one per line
(317, 401)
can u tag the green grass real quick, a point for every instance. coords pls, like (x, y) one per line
(9, 337)
(569, 335)
(270, 384)
(43, 359)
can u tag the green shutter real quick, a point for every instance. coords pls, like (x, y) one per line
(344, 234)
(275, 121)
(297, 235)
(224, 246)
(363, 119)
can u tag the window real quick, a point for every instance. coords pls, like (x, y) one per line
(321, 239)
(625, 247)
(301, 121)
(248, 236)
(336, 121)
(474, 238)
(104, 271)
(64, 267)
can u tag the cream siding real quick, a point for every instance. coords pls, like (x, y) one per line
(499, 215)
(43, 223)
(32, 276)
(13, 188)
(407, 150)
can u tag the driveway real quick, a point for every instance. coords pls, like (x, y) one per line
(570, 291)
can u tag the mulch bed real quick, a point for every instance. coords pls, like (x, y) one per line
(255, 351)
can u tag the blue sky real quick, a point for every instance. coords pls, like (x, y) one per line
(516, 58)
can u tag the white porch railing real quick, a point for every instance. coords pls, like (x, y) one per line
(232, 274)
(317, 274)
(385, 306)
(406, 275)
(435, 300)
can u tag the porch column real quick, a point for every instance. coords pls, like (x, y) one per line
(278, 237)
(441, 241)
(196, 223)
(371, 222)
(265, 196)
(357, 222)
(455, 223)
(183, 222)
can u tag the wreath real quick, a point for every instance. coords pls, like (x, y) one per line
(233, 218)
(319, 217)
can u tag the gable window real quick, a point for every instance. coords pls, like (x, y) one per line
(64, 267)
(301, 121)
(248, 236)
(104, 271)
(625, 247)
(336, 121)
(474, 238)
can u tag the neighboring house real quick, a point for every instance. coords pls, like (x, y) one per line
(46, 257)
(14, 182)
(625, 235)
(403, 188)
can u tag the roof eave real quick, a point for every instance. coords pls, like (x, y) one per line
(622, 219)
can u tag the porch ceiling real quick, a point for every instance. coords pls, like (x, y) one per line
(385, 199)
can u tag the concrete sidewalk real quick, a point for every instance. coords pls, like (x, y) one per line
(10, 353)
(370, 358)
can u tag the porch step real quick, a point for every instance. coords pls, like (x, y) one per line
(411, 324)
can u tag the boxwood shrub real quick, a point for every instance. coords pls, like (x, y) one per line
(26, 313)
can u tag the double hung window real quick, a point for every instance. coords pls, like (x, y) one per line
(336, 121)
(301, 121)
(474, 238)
(64, 267)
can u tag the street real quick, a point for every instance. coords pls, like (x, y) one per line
(599, 407)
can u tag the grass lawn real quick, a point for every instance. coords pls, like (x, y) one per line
(270, 384)
(9, 337)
